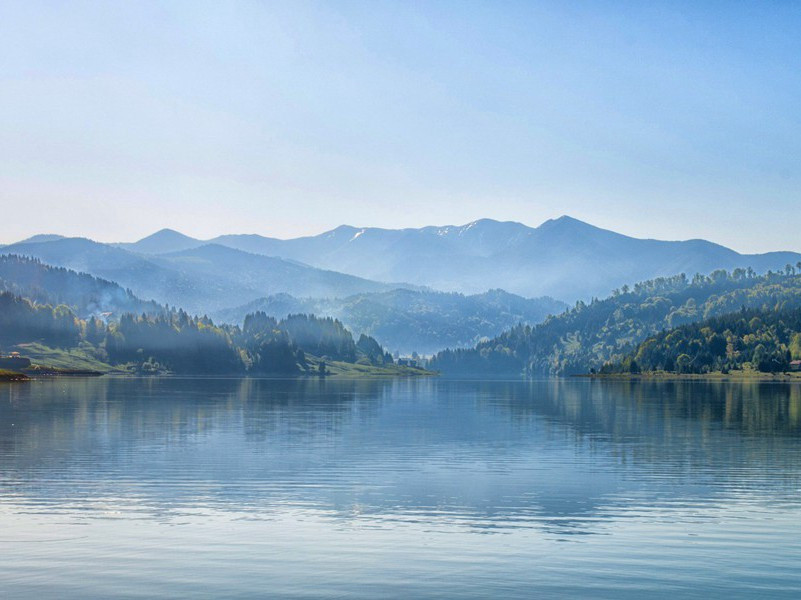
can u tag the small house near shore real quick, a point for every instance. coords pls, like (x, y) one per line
(14, 362)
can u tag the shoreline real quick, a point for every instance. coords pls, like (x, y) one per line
(368, 373)
(739, 376)
(12, 376)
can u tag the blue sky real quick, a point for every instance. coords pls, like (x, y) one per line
(669, 120)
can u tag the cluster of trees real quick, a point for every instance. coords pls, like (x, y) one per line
(371, 351)
(320, 336)
(174, 341)
(763, 340)
(602, 331)
(23, 321)
(266, 348)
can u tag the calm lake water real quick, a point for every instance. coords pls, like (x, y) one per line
(407, 488)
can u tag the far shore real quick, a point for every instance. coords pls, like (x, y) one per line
(755, 376)
(335, 370)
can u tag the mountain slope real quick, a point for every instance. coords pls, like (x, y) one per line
(86, 295)
(267, 275)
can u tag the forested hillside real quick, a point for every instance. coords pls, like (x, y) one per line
(84, 294)
(592, 334)
(24, 321)
(762, 340)
(173, 341)
(407, 321)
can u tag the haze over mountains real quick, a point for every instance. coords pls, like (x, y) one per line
(564, 258)
(356, 273)
(408, 320)
(87, 296)
(209, 277)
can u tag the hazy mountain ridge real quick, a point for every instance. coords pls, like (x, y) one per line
(41, 237)
(563, 258)
(144, 277)
(202, 279)
(265, 273)
(407, 320)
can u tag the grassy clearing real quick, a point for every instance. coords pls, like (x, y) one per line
(74, 359)
(357, 371)
(54, 361)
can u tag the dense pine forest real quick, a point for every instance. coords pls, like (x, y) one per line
(592, 334)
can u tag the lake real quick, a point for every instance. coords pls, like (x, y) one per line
(425, 488)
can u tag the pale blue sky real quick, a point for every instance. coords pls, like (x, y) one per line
(670, 120)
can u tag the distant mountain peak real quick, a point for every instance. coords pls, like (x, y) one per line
(163, 241)
(41, 238)
(566, 221)
(566, 227)
(166, 233)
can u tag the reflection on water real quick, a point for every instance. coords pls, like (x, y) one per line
(431, 488)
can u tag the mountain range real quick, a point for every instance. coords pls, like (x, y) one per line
(564, 258)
